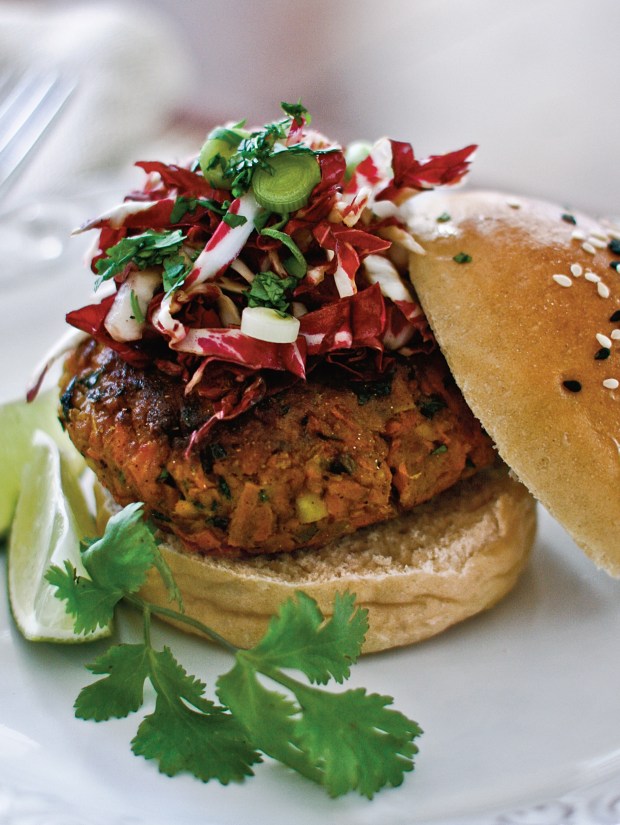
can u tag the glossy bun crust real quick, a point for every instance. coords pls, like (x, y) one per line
(417, 574)
(524, 302)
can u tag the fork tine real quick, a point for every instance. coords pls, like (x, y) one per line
(26, 113)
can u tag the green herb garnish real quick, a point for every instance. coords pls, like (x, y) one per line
(270, 290)
(344, 741)
(367, 390)
(430, 406)
(254, 151)
(151, 248)
(442, 448)
(233, 220)
(462, 258)
(183, 205)
(136, 308)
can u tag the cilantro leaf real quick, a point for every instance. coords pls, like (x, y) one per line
(298, 637)
(120, 559)
(207, 742)
(360, 743)
(176, 270)
(121, 692)
(90, 605)
(232, 219)
(267, 716)
(136, 309)
(297, 111)
(270, 290)
(145, 250)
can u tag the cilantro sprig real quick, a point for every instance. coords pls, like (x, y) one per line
(345, 741)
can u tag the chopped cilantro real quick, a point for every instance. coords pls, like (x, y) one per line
(297, 112)
(223, 487)
(431, 406)
(151, 248)
(367, 390)
(183, 205)
(136, 308)
(233, 220)
(270, 290)
(176, 270)
(462, 258)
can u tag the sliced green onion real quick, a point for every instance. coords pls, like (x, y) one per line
(300, 265)
(287, 183)
(268, 324)
(220, 145)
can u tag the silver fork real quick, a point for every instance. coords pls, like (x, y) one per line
(30, 103)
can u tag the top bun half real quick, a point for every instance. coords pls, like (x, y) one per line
(524, 302)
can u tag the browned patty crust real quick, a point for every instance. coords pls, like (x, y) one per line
(303, 467)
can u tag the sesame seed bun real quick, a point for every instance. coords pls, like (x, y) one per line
(418, 574)
(524, 304)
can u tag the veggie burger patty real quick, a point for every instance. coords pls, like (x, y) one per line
(313, 462)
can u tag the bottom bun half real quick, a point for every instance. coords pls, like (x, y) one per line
(447, 560)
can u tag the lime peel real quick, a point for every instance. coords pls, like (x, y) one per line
(18, 420)
(50, 520)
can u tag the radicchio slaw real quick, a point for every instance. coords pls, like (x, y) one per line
(187, 259)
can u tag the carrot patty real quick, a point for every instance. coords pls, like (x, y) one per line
(309, 464)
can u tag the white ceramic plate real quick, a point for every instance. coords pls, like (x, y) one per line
(520, 706)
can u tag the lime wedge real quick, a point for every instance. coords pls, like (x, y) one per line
(50, 519)
(18, 420)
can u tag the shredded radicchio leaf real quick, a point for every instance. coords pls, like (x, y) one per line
(190, 327)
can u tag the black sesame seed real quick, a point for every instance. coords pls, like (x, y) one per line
(614, 246)
(572, 386)
(568, 218)
(602, 354)
(615, 317)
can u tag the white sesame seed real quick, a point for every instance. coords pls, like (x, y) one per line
(600, 235)
(611, 383)
(587, 247)
(614, 234)
(578, 235)
(576, 270)
(615, 334)
(602, 289)
(597, 242)
(562, 280)
(513, 203)
(603, 340)
(592, 277)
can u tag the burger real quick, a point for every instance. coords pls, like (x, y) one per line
(278, 370)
